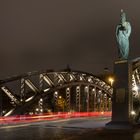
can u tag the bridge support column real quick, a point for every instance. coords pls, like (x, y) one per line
(87, 97)
(55, 96)
(102, 102)
(68, 99)
(105, 102)
(122, 96)
(94, 99)
(109, 104)
(78, 97)
(99, 100)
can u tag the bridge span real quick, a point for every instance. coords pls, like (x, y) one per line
(40, 92)
(61, 91)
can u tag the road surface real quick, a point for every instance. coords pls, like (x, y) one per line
(82, 128)
(62, 129)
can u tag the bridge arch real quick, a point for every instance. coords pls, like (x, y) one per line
(77, 89)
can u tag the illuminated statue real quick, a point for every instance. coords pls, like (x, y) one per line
(123, 31)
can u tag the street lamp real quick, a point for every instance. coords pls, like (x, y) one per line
(133, 112)
(111, 80)
(60, 97)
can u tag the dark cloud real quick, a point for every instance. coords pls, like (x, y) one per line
(43, 34)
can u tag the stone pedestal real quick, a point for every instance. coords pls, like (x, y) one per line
(122, 100)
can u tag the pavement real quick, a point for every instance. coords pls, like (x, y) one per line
(82, 128)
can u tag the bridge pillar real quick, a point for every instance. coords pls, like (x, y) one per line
(68, 99)
(94, 99)
(55, 96)
(78, 97)
(101, 101)
(122, 96)
(99, 98)
(105, 102)
(87, 97)
(109, 104)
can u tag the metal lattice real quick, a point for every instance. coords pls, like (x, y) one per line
(51, 82)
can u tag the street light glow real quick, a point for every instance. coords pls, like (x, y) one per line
(93, 89)
(37, 109)
(60, 97)
(133, 112)
(56, 93)
(111, 80)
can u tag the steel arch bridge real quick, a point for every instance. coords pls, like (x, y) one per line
(37, 92)
(44, 91)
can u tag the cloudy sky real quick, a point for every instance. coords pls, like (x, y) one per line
(49, 34)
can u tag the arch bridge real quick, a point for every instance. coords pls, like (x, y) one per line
(51, 91)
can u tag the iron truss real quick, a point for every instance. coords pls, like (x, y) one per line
(136, 78)
(25, 90)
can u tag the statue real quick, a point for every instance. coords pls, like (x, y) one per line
(123, 31)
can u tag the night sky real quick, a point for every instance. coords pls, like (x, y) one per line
(50, 34)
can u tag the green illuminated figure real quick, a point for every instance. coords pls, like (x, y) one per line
(123, 31)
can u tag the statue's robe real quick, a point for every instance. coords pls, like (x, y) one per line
(122, 35)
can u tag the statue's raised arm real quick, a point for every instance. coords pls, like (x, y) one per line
(123, 31)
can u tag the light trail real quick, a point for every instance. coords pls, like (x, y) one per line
(50, 116)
